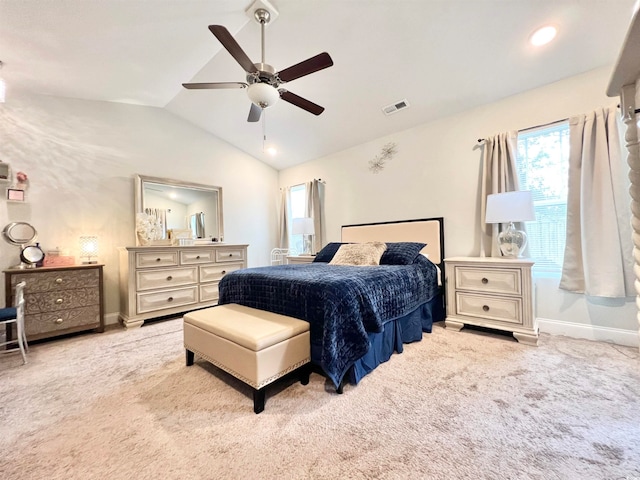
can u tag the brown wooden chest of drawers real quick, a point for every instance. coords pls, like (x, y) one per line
(59, 300)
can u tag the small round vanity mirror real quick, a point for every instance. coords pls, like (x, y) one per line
(19, 233)
(32, 254)
(22, 233)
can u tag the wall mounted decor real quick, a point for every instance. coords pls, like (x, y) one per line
(387, 152)
(15, 195)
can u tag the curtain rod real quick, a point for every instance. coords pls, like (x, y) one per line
(480, 140)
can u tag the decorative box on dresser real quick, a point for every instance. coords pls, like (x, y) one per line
(157, 281)
(59, 300)
(491, 292)
(300, 259)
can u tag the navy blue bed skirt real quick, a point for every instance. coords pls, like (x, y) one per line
(396, 333)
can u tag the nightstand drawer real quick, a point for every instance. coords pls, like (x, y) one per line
(489, 280)
(494, 308)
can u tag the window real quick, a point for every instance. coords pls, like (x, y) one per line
(543, 168)
(298, 204)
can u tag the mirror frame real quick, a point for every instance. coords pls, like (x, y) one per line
(140, 181)
(6, 233)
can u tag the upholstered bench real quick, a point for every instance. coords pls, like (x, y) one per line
(255, 346)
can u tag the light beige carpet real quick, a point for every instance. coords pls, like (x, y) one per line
(458, 405)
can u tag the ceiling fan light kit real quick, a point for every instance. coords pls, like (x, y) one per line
(263, 94)
(262, 80)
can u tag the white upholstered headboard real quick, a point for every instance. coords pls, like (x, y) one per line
(425, 230)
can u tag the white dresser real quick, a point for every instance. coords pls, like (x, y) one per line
(493, 293)
(159, 281)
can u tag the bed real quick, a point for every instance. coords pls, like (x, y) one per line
(359, 315)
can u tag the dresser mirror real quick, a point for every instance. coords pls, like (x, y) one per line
(173, 205)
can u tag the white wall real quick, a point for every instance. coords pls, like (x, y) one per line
(436, 173)
(81, 156)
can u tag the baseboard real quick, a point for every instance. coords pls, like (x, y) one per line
(111, 318)
(618, 336)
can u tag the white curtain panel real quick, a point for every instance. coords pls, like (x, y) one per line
(285, 207)
(598, 253)
(315, 210)
(499, 175)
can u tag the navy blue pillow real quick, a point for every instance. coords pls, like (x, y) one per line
(327, 252)
(401, 253)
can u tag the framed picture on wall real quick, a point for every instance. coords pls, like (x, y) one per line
(15, 195)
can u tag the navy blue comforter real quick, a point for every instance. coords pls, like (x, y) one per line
(342, 303)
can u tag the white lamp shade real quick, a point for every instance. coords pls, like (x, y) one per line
(303, 226)
(263, 95)
(510, 207)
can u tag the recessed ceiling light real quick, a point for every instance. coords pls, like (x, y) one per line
(543, 35)
(272, 151)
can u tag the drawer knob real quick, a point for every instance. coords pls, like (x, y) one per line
(158, 260)
(170, 299)
(197, 257)
(231, 254)
(485, 280)
(58, 321)
(169, 278)
(59, 301)
(223, 272)
(485, 308)
(58, 280)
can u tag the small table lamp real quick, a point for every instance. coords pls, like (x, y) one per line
(510, 207)
(88, 249)
(304, 227)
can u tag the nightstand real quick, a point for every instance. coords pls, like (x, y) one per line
(291, 259)
(493, 293)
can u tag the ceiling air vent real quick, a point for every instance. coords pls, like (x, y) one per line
(395, 107)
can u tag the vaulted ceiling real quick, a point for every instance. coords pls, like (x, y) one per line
(442, 56)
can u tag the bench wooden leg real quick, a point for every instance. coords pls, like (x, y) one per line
(305, 372)
(189, 355)
(258, 400)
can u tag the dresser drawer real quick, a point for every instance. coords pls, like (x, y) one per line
(39, 324)
(493, 308)
(493, 280)
(165, 278)
(152, 301)
(229, 254)
(156, 259)
(209, 292)
(213, 273)
(188, 257)
(61, 300)
(57, 280)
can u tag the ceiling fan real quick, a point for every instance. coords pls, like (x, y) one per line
(263, 81)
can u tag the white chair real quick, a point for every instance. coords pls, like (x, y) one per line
(15, 315)
(279, 256)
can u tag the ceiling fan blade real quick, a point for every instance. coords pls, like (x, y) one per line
(254, 113)
(311, 65)
(228, 42)
(216, 85)
(303, 103)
